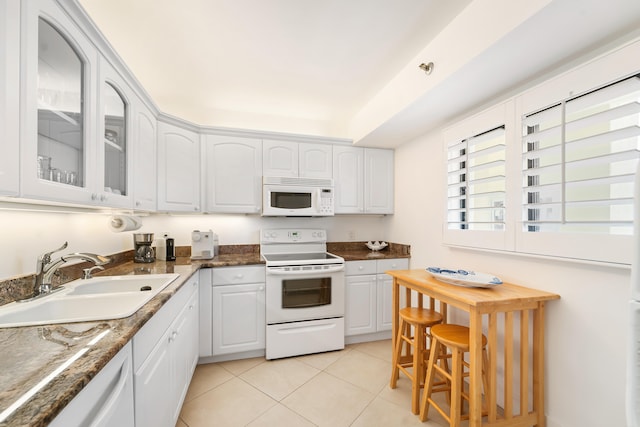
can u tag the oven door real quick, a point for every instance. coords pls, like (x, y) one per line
(298, 295)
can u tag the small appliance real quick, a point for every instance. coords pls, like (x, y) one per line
(143, 251)
(287, 196)
(165, 248)
(204, 244)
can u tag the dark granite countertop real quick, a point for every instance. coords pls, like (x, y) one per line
(30, 354)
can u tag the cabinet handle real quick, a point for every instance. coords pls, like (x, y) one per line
(238, 276)
(103, 198)
(360, 268)
(260, 288)
(94, 196)
(138, 203)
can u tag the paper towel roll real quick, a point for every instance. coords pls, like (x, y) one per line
(120, 223)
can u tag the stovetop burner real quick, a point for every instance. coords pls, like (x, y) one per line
(290, 247)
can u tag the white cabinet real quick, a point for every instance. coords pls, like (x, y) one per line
(165, 353)
(9, 96)
(369, 295)
(144, 157)
(107, 401)
(297, 159)
(178, 169)
(232, 174)
(58, 147)
(238, 309)
(279, 158)
(114, 139)
(315, 160)
(363, 179)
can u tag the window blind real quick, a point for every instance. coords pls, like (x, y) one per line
(476, 182)
(579, 161)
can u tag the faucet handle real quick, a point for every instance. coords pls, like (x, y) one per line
(88, 271)
(47, 256)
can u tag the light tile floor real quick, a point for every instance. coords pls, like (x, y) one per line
(342, 388)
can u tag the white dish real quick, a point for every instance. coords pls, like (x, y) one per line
(466, 278)
(376, 246)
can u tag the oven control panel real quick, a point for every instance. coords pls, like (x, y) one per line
(293, 235)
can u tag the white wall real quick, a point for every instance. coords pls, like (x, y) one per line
(585, 330)
(26, 234)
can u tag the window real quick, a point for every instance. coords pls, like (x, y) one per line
(579, 161)
(476, 205)
(551, 172)
(476, 181)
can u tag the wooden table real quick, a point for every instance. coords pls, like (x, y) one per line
(513, 304)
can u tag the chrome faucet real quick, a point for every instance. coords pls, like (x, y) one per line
(46, 268)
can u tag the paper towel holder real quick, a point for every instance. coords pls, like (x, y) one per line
(120, 223)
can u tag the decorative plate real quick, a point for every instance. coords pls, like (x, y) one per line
(467, 278)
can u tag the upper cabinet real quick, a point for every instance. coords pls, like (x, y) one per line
(297, 159)
(232, 176)
(114, 138)
(363, 179)
(144, 156)
(9, 96)
(59, 70)
(178, 169)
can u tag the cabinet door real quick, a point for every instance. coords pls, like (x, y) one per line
(144, 157)
(238, 318)
(233, 174)
(9, 96)
(153, 396)
(204, 313)
(279, 158)
(384, 316)
(114, 139)
(360, 304)
(184, 352)
(58, 105)
(178, 169)
(385, 290)
(315, 160)
(378, 182)
(348, 163)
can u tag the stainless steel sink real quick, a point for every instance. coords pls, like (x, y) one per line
(100, 298)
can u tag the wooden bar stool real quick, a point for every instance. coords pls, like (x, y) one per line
(456, 339)
(420, 319)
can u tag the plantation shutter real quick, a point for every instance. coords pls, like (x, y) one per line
(579, 161)
(476, 182)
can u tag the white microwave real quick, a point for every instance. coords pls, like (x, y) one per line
(284, 196)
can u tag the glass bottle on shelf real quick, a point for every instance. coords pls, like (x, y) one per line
(60, 108)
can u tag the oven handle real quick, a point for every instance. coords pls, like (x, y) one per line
(277, 272)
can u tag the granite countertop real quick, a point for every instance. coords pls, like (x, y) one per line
(31, 354)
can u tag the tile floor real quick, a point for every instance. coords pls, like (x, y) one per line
(343, 388)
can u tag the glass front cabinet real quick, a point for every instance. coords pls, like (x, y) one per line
(75, 145)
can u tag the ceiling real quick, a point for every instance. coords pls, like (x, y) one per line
(346, 68)
(304, 59)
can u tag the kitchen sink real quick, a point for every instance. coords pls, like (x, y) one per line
(99, 298)
(118, 284)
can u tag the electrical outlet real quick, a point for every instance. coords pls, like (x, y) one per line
(352, 235)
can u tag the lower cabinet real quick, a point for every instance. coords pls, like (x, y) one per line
(165, 355)
(238, 309)
(107, 401)
(368, 299)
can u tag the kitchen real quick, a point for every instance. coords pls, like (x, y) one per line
(580, 390)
